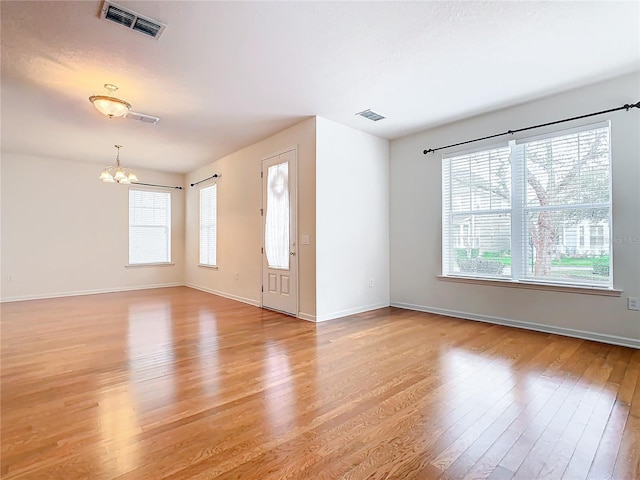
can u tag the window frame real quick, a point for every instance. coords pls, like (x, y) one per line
(518, 213)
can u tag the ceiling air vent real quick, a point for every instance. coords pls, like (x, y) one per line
(130, 19)
(371, 115)
(143, 117)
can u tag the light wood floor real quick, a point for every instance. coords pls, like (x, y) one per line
(179, 384)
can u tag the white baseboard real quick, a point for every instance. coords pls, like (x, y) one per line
(96, 291)
(302, 316)
(307, 316)
(567, 332)
(255, 303)
(350, 311)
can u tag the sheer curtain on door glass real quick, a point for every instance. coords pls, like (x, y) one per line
(276, 230)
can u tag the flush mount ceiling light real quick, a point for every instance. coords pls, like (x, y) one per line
(118, 174)
(108, 104)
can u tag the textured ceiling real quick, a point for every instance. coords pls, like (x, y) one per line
(227, 74)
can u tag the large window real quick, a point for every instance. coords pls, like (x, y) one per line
(149, 227)
(536, 210)
(208, 225)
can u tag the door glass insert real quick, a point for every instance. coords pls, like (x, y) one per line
(276, 230)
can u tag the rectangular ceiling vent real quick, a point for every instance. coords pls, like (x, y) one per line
(371, 115)
(130, 19)
(143, 117)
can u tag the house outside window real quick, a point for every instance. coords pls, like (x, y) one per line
(597, 236)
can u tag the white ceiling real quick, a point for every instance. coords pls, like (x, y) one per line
(227, 74)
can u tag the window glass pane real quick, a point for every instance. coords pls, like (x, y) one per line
(481, 245)
(276, 229)
(569, 246)
(208, 225)
(480, 181)
(567, 208)
(149, 227)
(477, 242)
(568, 170)
(148, 244)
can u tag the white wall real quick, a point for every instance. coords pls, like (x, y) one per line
(352, 221)
(65, 232)
(416, 222)
(240, 224)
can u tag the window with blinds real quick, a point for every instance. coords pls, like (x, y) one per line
(536, 210)
(477, 213)
(149, 227)
(208, 225)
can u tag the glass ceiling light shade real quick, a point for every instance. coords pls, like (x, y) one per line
(118, 174)
(106, 177)
(108, 104)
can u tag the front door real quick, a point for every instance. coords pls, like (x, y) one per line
(279, 259)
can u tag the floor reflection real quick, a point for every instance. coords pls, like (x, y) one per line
(208, 351)
(279, 399)
(150, 353)
(119, 426)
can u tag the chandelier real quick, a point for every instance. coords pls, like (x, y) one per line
(118, 174)
(108, 104)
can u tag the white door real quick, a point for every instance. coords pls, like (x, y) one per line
(279, 258)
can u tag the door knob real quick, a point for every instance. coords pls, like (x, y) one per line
(292, 253)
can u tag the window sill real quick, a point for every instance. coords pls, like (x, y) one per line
(213, 267)
(160, 264)
(586, 290)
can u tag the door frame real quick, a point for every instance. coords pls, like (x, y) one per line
(294, 235)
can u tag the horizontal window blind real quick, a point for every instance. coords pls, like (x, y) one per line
(568, 191)
(537, 210)
(476, 212)
(208, 225)
(149, 227)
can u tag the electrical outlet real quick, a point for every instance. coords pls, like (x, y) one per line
(235, 276)
(633, 303)
(371, 283)
(10, 277)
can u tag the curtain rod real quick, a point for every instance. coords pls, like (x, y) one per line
(154, 185)
(626, 107)
(215, 175)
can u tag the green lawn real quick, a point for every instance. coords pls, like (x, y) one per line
(563, 262)
(574, 262)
